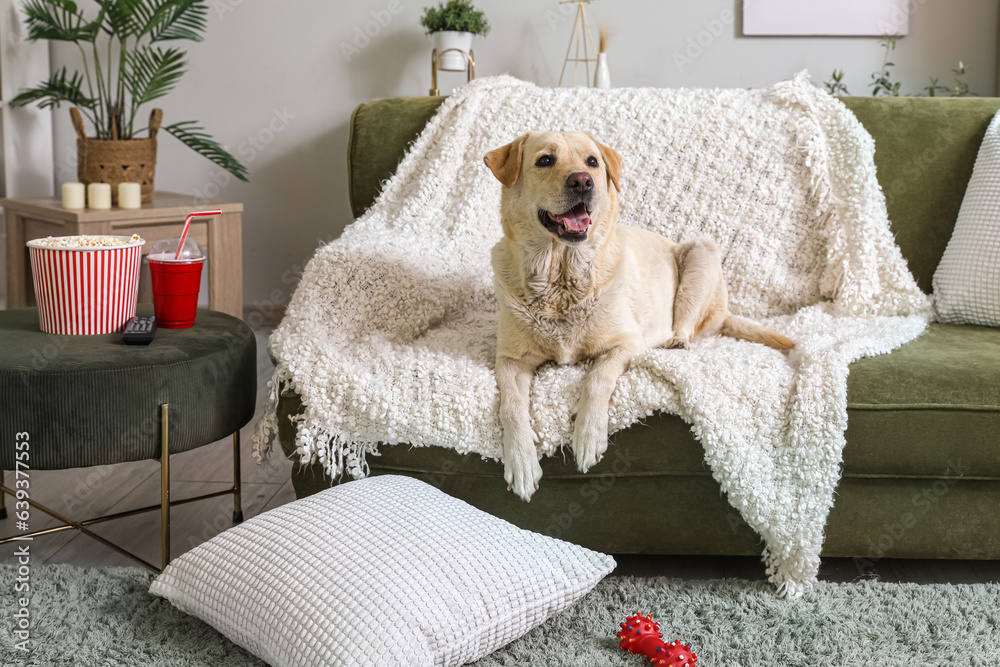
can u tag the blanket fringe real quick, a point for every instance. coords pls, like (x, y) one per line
(783, 576)
(335, 455)
(312, 444)
(266, 431)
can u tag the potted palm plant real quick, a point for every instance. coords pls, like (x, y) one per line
(126, 69)
(453, 24)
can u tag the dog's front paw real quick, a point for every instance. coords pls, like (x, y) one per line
(521, 470)
(590, 441)
(677, 343)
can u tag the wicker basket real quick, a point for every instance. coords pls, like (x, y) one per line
(115, 161)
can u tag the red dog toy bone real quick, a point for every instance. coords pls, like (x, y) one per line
(639, 634)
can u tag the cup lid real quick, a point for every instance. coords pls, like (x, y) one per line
(165, 258)
(165, 249)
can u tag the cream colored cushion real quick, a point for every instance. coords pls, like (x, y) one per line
(381, 571)
(967, 281)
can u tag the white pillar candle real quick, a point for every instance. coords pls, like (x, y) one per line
(129, 195)
(99, 196)
(74, 196)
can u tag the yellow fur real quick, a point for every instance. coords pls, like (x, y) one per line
(606, 298)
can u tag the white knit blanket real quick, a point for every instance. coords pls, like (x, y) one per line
(391, 334)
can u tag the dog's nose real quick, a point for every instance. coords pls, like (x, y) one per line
(580, 182)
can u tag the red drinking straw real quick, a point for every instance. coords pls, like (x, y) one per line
(187, 226)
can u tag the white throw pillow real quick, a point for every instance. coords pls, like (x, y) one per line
(967, 281)
(381, 571)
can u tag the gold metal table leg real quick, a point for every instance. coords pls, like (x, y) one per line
(237, 484)
(163, 505)
(69, 524)
(164, 485)
(237, 495)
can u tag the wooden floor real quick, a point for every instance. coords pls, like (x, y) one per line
(90, 492)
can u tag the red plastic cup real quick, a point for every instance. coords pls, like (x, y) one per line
(176, 284)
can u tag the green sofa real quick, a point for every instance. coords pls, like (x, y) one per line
(921, 471)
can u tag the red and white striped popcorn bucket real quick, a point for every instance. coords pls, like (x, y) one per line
(85, 289)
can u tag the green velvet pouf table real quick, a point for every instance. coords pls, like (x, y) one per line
(78, 401)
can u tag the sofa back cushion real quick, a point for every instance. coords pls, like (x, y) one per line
(925, 149)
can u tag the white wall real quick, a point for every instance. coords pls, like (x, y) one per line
(26, 163)
(274, 74)
(25, 133)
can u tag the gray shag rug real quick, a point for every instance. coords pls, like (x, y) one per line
(83, 616)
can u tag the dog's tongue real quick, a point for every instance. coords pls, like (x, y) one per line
(575, 220)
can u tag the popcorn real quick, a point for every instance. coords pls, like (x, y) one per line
(85, 241)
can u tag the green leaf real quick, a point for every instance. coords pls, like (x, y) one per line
(58, 20)
(171, 19)
(55, 90)
(194, 137)
(185, 20)
(151, 73)
(164, 19)
(148, 13)
(458, 15)
(118, 17)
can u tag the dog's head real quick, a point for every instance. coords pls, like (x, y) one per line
(560, 185)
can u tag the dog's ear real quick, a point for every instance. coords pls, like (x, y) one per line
(612, 161)
(505, 162)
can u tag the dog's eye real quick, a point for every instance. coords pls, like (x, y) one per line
(592, 162)
(545, 161)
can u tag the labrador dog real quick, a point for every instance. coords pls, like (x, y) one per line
(572, 286)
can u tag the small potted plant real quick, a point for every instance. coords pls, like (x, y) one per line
(126, 69)
(453, 24)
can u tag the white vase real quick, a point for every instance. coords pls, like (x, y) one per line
(451, 39)
(602, 78)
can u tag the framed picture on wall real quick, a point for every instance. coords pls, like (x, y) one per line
(825, 17)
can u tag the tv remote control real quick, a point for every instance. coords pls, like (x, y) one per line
(139, 331)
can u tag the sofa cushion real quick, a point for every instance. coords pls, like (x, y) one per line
(928, 406)
(925, 149)
(384, 571)
(967, 281)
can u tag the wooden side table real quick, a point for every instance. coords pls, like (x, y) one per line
(37, 217)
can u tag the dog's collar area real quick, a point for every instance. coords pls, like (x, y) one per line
(570, 226)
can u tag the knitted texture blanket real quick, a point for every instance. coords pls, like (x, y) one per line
(390, 336)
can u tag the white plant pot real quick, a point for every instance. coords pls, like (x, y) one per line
(450, 39)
